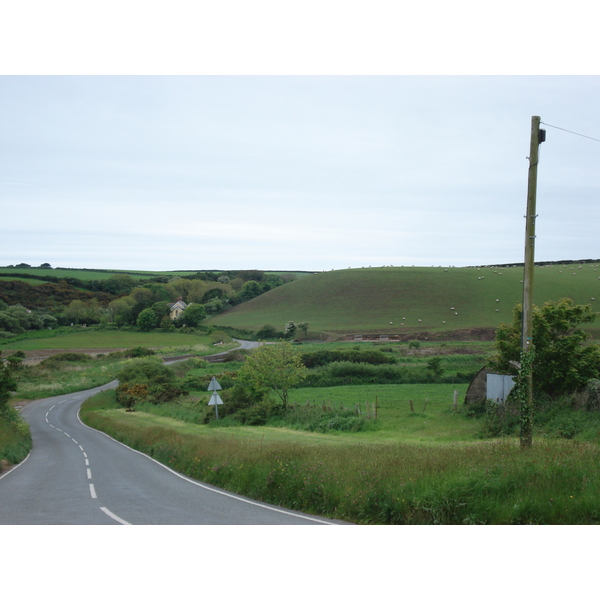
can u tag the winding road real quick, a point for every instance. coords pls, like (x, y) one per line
(78, 475)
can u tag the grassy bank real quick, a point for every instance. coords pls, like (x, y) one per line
(15, 440)
(353, 478)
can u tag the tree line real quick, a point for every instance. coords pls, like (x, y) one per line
(25, 307)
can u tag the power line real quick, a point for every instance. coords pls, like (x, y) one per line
(573, 132)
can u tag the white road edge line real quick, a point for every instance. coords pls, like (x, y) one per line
(113, 516)
(93, 490)
(15, 467)
(210, 489)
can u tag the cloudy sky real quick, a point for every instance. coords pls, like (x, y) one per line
(293, 171)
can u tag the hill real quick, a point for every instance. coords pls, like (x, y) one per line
(415, 300)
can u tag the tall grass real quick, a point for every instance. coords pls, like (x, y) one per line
(495, 482)
(15, 438)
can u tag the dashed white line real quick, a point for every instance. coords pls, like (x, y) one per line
(93, 490)
(87, 462)
(89, 473)
(113, 516)
(81, 448)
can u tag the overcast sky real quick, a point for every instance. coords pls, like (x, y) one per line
(293, 172)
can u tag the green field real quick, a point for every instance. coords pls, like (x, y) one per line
(82, 338)
(99, 274)
(397, 300)
(83, 274)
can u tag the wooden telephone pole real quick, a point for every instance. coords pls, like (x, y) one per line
(537, 137)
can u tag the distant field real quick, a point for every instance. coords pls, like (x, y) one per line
(88, 274)
(83, 274)
(90, 339)
(397, 300)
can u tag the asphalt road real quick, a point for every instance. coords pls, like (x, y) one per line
(77, 475)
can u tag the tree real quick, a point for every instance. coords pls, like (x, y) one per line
(249, 290)
(273, 367)
(193, 315)
(303, 327)
(147, 320)
(562, 363)
(84, 311)
(434, 364)
(10, 323)
(289, 331)
(121, 283)
(74, 311)
(121, 310)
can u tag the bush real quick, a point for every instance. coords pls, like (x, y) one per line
(139, 352)
(268, 332)
(161, 382)
(320, 358)
(128, 395)
(259, 413)
(320, 420)
(498, 420)
(236, 356)
(58, 360)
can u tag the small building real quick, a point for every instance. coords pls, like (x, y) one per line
(177, 308)
(488, 385)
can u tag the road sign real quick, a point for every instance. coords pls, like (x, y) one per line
(214, 385)
(215, 399)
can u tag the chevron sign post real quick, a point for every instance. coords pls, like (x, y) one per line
(215, 399)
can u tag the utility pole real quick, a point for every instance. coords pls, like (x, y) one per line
(527, 351)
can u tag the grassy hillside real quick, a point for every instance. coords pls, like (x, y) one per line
(411, 299)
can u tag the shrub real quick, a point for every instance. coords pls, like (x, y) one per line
(320, 358)
(161, 381)
(268, 332)
(498, 420)
(139, 352)
(58, 360)
(128, 395)
(259, 413)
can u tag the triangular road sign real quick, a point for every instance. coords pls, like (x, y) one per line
(214, 385)
(215, 399)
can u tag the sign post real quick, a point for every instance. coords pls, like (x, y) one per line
(215, 399)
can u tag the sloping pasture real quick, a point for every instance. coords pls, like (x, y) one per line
(396, 300)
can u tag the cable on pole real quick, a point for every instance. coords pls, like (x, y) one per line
(573, 132)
